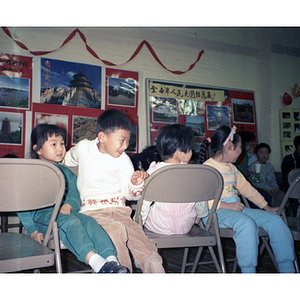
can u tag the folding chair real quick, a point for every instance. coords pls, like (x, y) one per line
(229, 233)
(28, 184)
(293, 174)
(182, 183)
(292, 222)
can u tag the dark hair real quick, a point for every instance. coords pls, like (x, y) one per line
(40, 135)
(112, 119)
(297, 141)
(262, 145)
(142, 161)
(246, 136)
(173, 137)
(217, 140)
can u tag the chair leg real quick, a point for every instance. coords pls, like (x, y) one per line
(197, 259)
(185, 254)
(219, 244)
(57, 249)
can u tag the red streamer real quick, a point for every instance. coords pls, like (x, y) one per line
(93, 53)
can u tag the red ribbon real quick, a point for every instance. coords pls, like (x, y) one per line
(93, 53)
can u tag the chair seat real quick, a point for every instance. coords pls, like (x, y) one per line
(294, 225)
(20, 252)
(191, 239)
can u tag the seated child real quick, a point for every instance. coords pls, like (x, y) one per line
(226, 148)
(81, 234)
(106, 178)
(174, 144)
(266, 179)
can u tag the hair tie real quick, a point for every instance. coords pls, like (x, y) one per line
(209, 139)
(230, 136)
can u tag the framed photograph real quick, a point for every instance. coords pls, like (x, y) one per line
(217, 116)
(122, 89)
(12, 124)
(243, 111)
(15, 81)
(164, 110)
(197, 124)
(70, 84)
(83, 127)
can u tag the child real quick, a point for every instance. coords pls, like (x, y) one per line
(174, 144)
(265, 180)
(106, 178)
(226, 148)
(81, 234)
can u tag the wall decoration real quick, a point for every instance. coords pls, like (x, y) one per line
(93, 53)
(202, 108)
(296, 90)
(287, 99)
(15, 81)
(70, 84)
(122, 89)
(78, 122)
(12, 132)
(243, 111)
(289, 128)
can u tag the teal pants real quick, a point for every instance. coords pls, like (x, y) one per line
(79, 233)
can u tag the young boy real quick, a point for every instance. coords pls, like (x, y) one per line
(265, 180)
(106, 179)
(81, 234)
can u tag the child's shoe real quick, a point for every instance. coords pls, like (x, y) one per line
(113, 267)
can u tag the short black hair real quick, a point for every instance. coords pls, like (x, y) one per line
(40, 135)
(112, 119)
(174, 137)
(262, 145)
(297, 141)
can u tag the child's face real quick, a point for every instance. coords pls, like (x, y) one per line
(262, 155)
(114, 143)
(234, 152)
(53, 150)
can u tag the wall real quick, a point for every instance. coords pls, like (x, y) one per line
(237, 58)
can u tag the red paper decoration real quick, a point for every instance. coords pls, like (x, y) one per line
(93, 53)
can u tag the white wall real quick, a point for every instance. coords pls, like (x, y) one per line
(237, 58)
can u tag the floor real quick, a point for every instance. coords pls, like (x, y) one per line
(172, 259)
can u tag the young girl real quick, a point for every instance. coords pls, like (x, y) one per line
(174, 144)
(226, 148)
(81, 234)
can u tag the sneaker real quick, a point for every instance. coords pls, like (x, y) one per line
(113, 267)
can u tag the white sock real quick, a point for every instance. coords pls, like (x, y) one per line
(96, 262)
(112, 258)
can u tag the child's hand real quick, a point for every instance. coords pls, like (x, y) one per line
(66, 209)
(238, 206)
(138, 177)
(274, 191)
(273, 210)
(37, 236)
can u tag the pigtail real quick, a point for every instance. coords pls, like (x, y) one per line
(203, 151)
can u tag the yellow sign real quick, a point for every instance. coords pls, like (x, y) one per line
(171, 91)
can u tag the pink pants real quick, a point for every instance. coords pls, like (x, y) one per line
(127, 235)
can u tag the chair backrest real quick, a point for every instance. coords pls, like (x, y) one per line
(292, 192)
(179, 183)
(293, 174)
(28, 184)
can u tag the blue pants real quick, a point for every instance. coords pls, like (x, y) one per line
(246, 225)
(79, 233)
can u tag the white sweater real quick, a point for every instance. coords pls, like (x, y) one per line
(103, 181)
